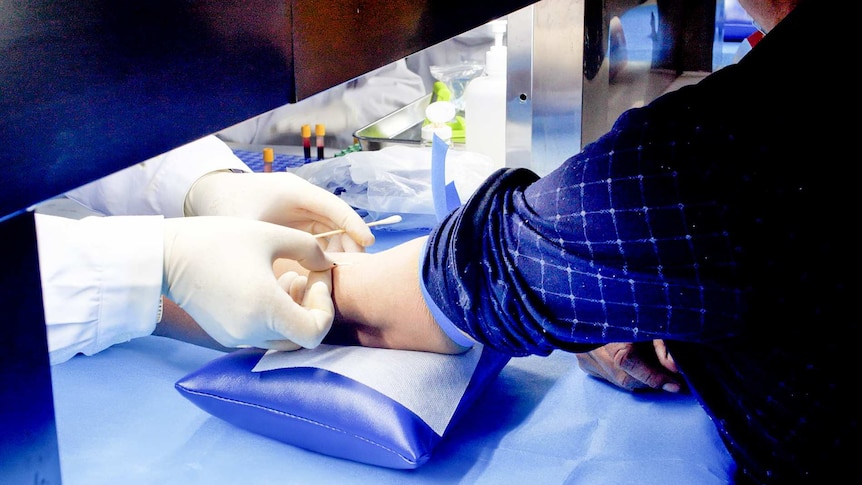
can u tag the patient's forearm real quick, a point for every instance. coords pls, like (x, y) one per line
(179, 325)
(377, 297)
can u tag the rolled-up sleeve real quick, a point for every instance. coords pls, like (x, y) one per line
(616, 245)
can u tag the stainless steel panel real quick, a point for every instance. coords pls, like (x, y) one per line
(544, 91)
(566, 86)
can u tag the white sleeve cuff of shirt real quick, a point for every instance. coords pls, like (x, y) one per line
(101, 280)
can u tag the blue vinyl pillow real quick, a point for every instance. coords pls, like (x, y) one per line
(383, 407)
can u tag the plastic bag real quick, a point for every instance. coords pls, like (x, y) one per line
(396, 180)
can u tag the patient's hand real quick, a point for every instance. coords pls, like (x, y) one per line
(633, 366)
(378, 302)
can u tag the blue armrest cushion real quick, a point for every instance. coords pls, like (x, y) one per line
(327, 412)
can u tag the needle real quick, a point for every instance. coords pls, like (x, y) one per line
(389, 220)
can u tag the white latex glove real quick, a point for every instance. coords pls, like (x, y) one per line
(280, 198)
(219, 270)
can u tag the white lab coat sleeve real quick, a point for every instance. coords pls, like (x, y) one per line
(158, 186)
(101, 280)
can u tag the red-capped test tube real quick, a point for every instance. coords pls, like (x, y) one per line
(306, 141)
(319, 132)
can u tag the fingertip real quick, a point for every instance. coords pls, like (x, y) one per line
(671, 364)
(370, 239)
(330, 263)
(671, 387)
(363, 237)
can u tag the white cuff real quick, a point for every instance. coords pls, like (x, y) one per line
(101, 280)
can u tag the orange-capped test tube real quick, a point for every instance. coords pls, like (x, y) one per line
(306, 141)
(319, 132)
(268, 157)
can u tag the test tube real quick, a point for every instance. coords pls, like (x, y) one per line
(306, 141)
(268, 157)
(319, 132)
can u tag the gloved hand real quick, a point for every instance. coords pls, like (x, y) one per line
(280, 198)
(220, 271)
